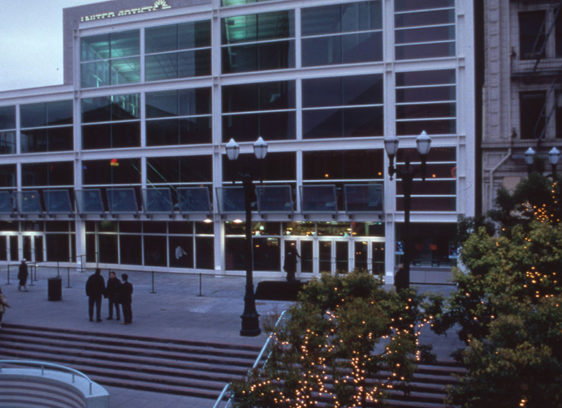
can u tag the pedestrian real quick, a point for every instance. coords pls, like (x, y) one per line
(112, 294)
(126, 298)
(290, 264)
(22, 275)
(3, 305)
(95, 288)
(400, 278)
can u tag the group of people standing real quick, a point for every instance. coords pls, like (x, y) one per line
(117, 293)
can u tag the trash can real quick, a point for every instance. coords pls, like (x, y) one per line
(55, 288)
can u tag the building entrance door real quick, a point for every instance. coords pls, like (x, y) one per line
(337, 254)
(29, 247)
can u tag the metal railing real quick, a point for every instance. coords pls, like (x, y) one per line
(266, 347)
(42, 365)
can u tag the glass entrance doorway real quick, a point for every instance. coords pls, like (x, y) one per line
(13, 249)
(337, 255)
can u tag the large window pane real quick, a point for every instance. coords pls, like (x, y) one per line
(179, 169)
(8, 175)
(57, 247)
(125, 134)
(102, 172)
(181, 252)
(130, 249)
(350, 164)
(336, 91)
(43, 140)
(532, 34)
(425, 50)
(205, 252)
(178, 36)
(7, 117)
(178, 131)
(255, 27)
(267, 254)
(107, 248)
(94, 47)
(253, 97)
(275, 166)
(155, 253)
(342, 18)
(531, 113)
(178, 103)
(48, 174)
(46, 114)
(271, 126)
(258, 57)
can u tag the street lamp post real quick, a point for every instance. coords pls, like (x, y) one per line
(406, 175)
(250, 316)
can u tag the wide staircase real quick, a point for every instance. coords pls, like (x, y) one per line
(183, 367)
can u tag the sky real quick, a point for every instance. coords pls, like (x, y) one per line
(31, 42)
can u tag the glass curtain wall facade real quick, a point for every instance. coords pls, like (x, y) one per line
(132, 170)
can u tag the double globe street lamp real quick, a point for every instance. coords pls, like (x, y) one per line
(406, 174)
(553, 157)
(250, 317)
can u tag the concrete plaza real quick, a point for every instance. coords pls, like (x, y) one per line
(193, 307)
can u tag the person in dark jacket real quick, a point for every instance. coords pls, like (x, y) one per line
(126, 298)
(22, 276)
(290, 264)
(112, 293)
(95, 288)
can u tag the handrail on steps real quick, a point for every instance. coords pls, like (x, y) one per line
(43, 364)
(265, 347)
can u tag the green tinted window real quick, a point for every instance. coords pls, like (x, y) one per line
(112, 45)
(110, 59)
(257, 27)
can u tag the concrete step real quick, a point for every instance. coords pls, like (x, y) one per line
(136, 343)
(123, 353)
(210, 372)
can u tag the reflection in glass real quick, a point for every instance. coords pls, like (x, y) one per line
(361, 255)
(181, 252)
(276, 199)
(319, 198)
(121, 200)
(89, 201)
(157, 200)
(29, 202)
(57, 201)
(363, 197)
(232, 199)
(342, 257)
(325, 259)
(7, 117)
(6, 202)
(193, 199)
(306, 257)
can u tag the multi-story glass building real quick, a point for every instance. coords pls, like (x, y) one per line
(124, 164)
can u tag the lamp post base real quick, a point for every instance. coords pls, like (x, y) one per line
(250, 325)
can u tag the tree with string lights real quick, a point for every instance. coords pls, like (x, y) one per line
(347, 343)
(507, 304)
